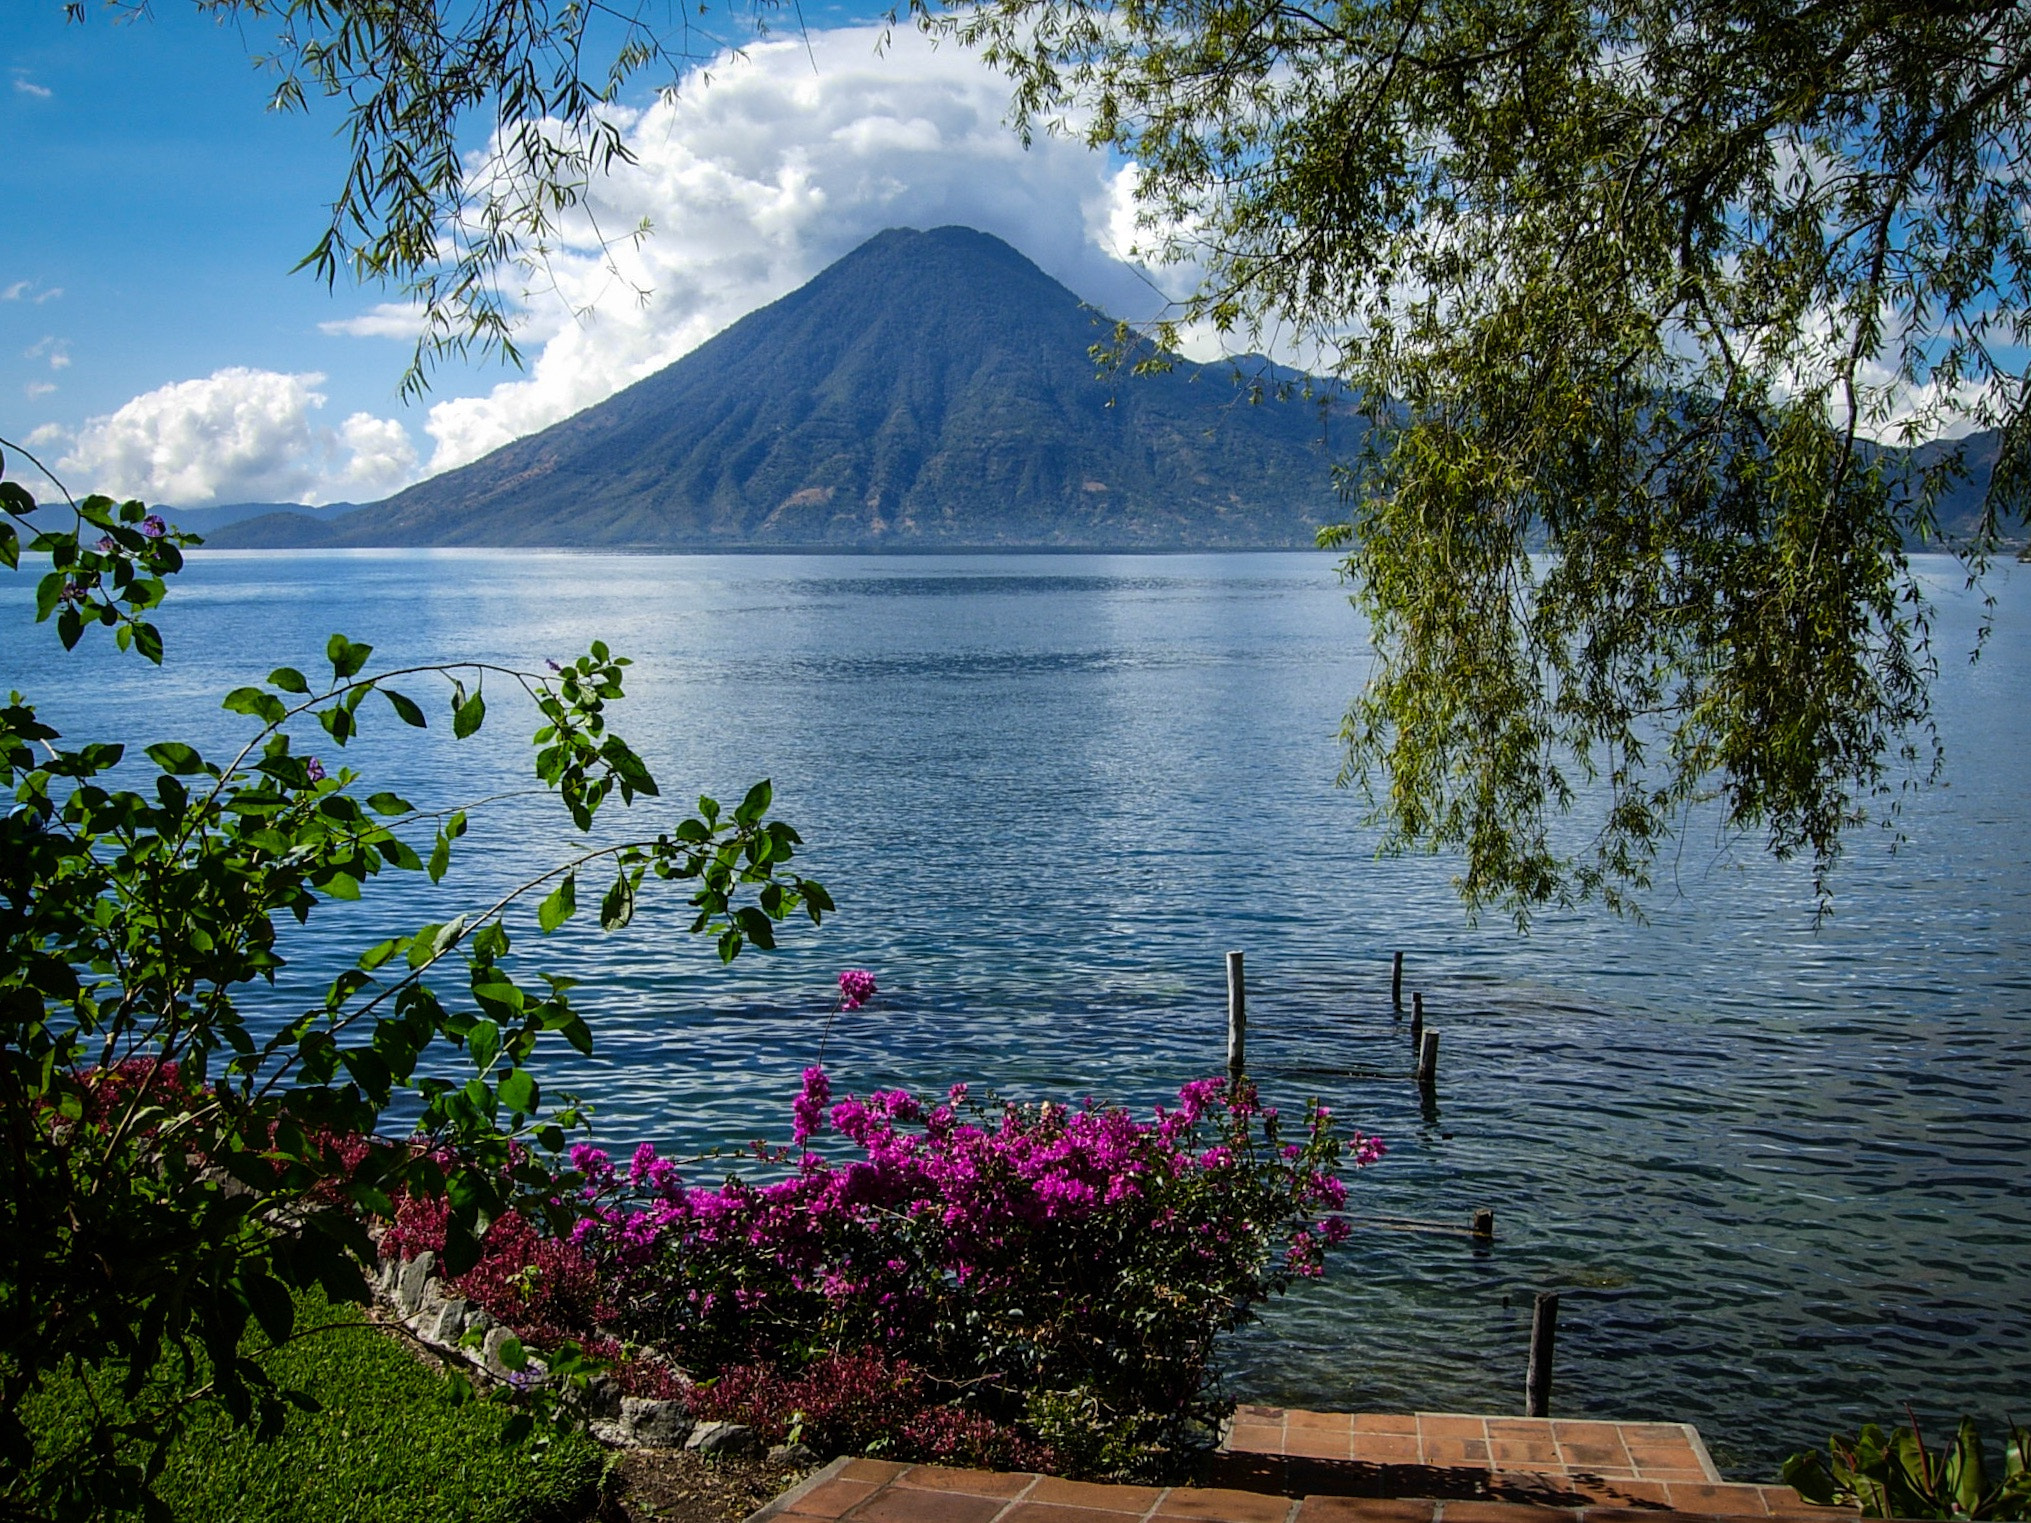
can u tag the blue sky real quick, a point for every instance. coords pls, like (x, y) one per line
(161, 346)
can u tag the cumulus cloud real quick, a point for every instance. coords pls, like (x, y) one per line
(239, 435)
(788, 159)
(57, 351)
(388, 319)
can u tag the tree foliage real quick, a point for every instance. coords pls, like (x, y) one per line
(473, 129)
(1635, 293)
(180, 1152)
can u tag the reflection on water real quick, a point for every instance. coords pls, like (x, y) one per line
(1777, 1170)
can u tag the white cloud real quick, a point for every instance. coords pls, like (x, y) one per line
(239, 435)
(755, 182)
(50, 295)
(55, 350)
(39, 388)
(388, 319)
(29, 87)
(16, 291)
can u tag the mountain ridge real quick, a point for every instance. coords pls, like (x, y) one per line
(929, 390)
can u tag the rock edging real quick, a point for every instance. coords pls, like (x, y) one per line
(412, 1292)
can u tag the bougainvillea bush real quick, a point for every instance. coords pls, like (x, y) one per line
(1055, 1272)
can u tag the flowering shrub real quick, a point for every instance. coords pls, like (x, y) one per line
(864, 1402)
(540, 1287)
(1039, 1259)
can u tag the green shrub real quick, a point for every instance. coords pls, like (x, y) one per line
(1899, 1477)
(392, 1441)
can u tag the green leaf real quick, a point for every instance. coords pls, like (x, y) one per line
(461, 1247)
(263, 705)
(289, 679)
(411, 712)
(518, 1091)
(346, 657)
(147, 640)
(342, 886)
(756, 804)
(617, 906)
(269, 1301)
(431, 941)
(559, 906)
(484, 1040)
(390, 804)
(512, 1354)
(173, 756)
(467, 717)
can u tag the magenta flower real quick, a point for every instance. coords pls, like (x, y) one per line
(807, 1111)
(856, 988)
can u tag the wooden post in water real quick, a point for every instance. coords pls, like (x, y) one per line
(1544, 1324)
(1484, 1223)
(1237, 1017)
(1417, 1025)
(1428, 1061)
(1396, 982)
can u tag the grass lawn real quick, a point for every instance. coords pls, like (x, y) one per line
(389, 1446)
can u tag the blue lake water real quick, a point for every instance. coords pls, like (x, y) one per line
(1778, 1169)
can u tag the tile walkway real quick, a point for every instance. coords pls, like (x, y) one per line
(1278, 1465)
(878, 1491)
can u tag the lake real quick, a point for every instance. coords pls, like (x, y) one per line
(1778, 1168)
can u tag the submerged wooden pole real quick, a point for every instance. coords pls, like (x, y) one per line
(1417, 1025)
(1237, 1017)
(1396, 982)
(1544, 1324)
(1484, 1223)
(1428, 1061)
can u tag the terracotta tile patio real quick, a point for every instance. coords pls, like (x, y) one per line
(1545, 1462)
(877, 1491)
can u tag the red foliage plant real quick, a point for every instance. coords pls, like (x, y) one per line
(540, 1288)
(850, 1403)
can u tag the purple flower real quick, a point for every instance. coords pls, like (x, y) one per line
(153, 527)
(553, 666)
(807, 1111)
(106, 545)
(856, 988)
(313, 769)
(73, 592)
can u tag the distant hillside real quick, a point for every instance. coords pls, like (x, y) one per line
(931, 389)
(209, 521)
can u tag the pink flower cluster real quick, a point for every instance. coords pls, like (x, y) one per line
(856, 988)
(1008, 1253)
(955, 1202)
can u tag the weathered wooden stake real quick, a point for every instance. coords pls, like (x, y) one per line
(1484, 1223)
(1417, 1025)
(1544, 1324)
(1428, 1060)
(1396, 982)
(1237, 1017)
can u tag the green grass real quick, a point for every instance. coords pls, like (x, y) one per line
(390, 1445)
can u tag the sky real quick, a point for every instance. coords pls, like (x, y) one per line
(162, 346)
